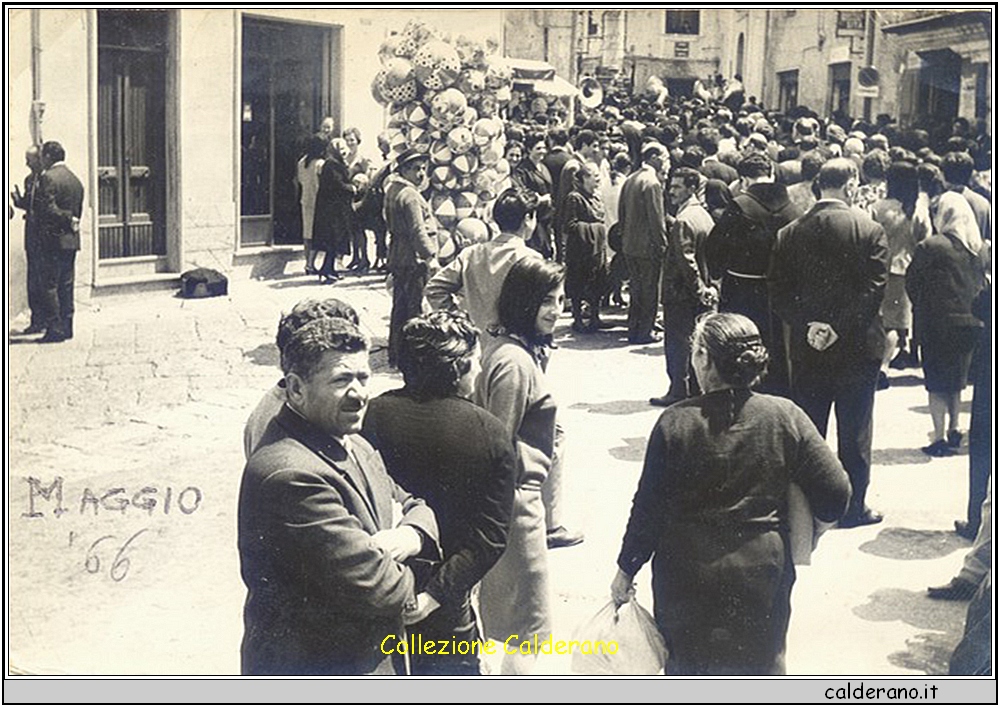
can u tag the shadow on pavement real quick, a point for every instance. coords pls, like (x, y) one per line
(597, 341)
(909, 544)
(965, 406)
(614, 407)
(892, 457)
(264, 355)
(926, 652)
(633, 451)
(905, 380)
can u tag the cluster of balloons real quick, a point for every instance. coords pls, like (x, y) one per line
(445, 100)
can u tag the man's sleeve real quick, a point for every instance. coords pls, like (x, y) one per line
(683, 247)
(781, 279)
(653, 196)
(50, 212)
(322, 542)
(445, 285)
(417, 222)
(856, 314)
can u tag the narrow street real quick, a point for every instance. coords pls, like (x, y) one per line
(125, 453)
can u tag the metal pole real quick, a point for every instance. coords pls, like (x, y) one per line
(869, 56)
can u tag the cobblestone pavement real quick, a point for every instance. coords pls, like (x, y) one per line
(125, 453)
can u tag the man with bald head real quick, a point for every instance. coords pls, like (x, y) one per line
(827, 278)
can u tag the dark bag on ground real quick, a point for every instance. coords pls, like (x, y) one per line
(203, 282)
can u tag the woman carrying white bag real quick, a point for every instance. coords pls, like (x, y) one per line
(712, 505)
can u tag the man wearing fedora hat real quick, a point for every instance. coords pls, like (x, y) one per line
(413, 247)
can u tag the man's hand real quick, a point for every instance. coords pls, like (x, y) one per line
(709, 296)
(426, 605)
(401, 543)
(17, 197)
(821, 335)
(622, 588)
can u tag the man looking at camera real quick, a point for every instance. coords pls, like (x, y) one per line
(320, 553)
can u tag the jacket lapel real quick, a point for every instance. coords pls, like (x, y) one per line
(333, 453)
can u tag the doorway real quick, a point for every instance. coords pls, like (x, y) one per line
(285, 93)
(940, 84)
(131, 134)
(840, 89)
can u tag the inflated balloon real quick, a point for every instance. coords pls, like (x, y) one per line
(418, 139)
(488, 105)
(443, 208)
(498, 73)
(447, 250)
(490, 154)
(465, 163)
(502, 167)
(390, 48)
(465, 203)
(399, 84)
(376, 88)
(503, 94)
(484, 131)
(460, 140)
(443, 176)
(448, 104)
(437, 65)
(441, 153)
(417, 114)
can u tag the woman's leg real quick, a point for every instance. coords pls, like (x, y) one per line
(939, 404)
(307, 244)
(953, 401)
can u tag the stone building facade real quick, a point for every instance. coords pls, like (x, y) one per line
(184, 125)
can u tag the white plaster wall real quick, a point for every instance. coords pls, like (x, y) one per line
(18, 139)
(208, 149)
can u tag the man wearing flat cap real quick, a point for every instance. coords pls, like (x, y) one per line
(413, 248)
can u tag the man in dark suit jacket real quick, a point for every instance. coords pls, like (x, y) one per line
(320, 552)
(642, 217)
(59, 204)
(827, 280)
(32, 251)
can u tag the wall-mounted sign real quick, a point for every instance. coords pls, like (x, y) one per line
(851, 23)
(682, 50)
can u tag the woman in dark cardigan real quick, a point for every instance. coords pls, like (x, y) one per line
(456, 456)
(586, 249)
(942, 281)
(712, 510)
(334, 222)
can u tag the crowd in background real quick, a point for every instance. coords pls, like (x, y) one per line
(795, 259)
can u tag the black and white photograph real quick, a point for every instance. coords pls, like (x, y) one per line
(502, 342)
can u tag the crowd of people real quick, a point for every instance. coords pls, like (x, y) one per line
(784, 262)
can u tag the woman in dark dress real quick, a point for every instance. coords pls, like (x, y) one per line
(586, 249)
(532, 174)
(942, 281)
(712, 510)
(456, 456)
(334, 219)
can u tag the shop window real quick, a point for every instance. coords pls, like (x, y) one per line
(683, 21)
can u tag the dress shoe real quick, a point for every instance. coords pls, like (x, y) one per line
(965, 530)
(957, 589)
(856, 520)
(954, 439)
(651, 338)
(883, 381)
(939, 448)
(903, 360)
(561, 537)
(666, 401)
(53, 336)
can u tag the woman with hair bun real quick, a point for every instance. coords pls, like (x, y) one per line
(712, 510)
